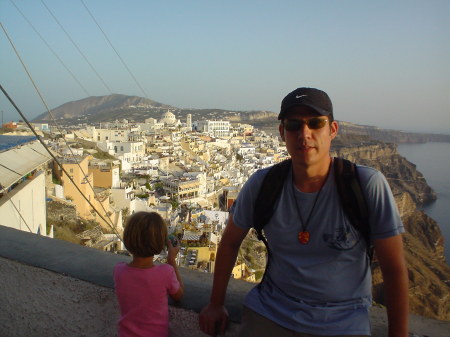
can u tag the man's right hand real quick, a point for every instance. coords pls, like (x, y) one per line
(213, 319)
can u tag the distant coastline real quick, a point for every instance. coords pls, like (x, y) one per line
(96, 109)
(433, 161)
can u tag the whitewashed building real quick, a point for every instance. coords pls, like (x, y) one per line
(213, 128)
(22, 184)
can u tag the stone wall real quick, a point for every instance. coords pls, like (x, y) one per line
(61, 211)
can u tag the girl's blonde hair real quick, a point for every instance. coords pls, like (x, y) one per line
(145, 234)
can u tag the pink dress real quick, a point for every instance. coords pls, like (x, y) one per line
(142, 296)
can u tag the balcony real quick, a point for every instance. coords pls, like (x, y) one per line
(55, 288)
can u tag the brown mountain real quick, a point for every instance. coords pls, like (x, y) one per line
(100, 105)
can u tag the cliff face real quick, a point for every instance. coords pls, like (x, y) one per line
(429, 275)
(401, 174)
(393, 136)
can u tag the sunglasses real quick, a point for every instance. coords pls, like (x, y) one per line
(313, 123)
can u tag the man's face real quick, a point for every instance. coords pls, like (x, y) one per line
(308, 145)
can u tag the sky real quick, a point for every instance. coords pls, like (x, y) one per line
(383, 63)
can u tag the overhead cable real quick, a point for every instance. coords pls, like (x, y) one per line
(53, 52)
(54, 121)
(78, 48)
(56, 160)
(112, 46)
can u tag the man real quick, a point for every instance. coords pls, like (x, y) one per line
(319, 280)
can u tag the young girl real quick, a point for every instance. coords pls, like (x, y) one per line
(142, 286)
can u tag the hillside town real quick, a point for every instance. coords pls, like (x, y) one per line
(189, 172)
(82, 182)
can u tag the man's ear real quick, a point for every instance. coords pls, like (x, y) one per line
(281, 129)
(334, 127)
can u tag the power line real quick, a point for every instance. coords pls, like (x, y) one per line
(112, 46)
(51, 49)
(78, 48)
(54, 120)
(39, 153)
(56, 160)
(93, 69)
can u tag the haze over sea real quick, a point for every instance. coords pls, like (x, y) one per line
(433, 161)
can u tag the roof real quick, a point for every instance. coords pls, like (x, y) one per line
(20, 158)
(9, 142)
(191, 236)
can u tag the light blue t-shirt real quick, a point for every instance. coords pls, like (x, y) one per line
(324, 286)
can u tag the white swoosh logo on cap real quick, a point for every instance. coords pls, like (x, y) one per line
(300, 96)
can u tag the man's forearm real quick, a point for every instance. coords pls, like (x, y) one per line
(226, 258)
(396, 290)
(395, 275)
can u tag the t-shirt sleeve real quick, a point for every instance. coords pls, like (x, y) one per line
(172, 285)
(384, 217)
(242, 210)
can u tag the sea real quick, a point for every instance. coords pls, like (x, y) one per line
(433, 161)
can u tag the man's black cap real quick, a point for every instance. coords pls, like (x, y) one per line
(316, 99)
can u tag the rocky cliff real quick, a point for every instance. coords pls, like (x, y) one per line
(429, 274)
(394, 136)
(401, 174)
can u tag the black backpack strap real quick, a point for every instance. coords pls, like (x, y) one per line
(352, 198)
(268, 195)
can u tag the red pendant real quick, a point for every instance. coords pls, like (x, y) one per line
(303, 237)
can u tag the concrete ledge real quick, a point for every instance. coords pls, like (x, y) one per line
(94, 266)
(69, 276)
(38, 302)
(55, 288)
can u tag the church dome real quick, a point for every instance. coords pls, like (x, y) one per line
(168, 118)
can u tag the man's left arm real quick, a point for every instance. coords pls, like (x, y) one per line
(391, 257)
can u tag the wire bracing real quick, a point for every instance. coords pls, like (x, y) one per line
(115, 51)
(51, 50)
(110, 223)
(77, 47)
(58, 162)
